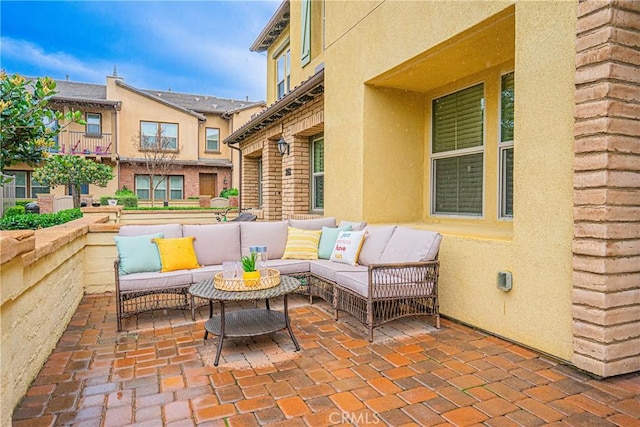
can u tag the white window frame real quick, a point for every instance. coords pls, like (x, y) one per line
(217, 140)
(29, 185)
(285, 78)
(503, 147)
(175, 182)
(24, 187)
(94, 117)
(315, 175)
(149, 141)
(458, 153)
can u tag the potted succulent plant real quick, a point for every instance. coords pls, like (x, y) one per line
(250, 275)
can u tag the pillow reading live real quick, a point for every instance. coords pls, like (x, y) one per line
(348, 247)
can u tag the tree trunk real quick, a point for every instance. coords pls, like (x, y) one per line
(75, 193)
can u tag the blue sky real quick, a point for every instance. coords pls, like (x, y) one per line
(199, 47)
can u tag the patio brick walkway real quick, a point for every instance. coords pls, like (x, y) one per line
(162, 372)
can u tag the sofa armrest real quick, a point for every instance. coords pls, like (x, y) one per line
(404, 279)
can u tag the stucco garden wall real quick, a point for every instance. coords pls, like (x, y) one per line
(42, 283)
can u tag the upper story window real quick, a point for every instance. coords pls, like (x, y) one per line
(161, 136)
(457, 152)
(213, 139)
(305, 21)
(283, 72)
(505, 145)
(94, 124)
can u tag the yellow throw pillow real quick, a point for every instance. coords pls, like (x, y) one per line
(177, 253)
(302, 244)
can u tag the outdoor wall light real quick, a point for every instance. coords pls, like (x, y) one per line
(283, 147)
(225, 181)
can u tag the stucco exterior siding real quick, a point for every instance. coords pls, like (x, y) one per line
(384, 68)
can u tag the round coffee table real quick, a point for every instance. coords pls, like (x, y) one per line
(249, 322)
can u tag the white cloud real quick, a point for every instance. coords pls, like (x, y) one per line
(54, 63)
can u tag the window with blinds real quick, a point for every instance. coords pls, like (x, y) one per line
(506, 145)
(317, 188)
(457, 152)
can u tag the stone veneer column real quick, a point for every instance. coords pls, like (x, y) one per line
(295, 187)
(45, 203)
(271, 182)
(249, 179)
(606, 247)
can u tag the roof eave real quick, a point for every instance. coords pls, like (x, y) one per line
(276, 25)
(160, 100)
(291, 101)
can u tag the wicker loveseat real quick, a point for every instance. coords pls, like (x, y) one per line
(397, 274)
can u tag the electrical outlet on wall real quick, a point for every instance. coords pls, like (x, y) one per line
(505, 281)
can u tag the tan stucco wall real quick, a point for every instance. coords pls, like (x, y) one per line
(31, 321)
(137, 108)
(384, 66)
(292, 34)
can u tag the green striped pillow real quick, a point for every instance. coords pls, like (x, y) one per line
(302, 244)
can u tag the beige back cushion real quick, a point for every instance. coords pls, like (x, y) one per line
(272, 234)
(215, 243)
(374, 243)
(313, 224)
(411, 245)
(169, 230)
(355, 225)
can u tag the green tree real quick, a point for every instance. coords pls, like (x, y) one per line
(26, 130)
(73, 171)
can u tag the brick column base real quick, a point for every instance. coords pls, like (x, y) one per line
(606, 246)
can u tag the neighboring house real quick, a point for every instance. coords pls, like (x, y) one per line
(293, 183)
(120, 118)
(509, 127)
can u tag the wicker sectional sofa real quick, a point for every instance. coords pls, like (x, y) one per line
(397, 274)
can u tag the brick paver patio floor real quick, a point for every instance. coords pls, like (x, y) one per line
(160, 372)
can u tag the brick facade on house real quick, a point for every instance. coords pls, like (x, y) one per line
(285, 180)
(606, 247)
(191, 176)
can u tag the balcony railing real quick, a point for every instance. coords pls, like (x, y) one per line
(71, 142)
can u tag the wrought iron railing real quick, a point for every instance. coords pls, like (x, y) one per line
(72, 142)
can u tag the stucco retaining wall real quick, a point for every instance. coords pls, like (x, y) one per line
(42, 283)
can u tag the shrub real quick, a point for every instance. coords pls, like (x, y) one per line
(124, 191)
(229, 192)
(23, 203)
(15, 210)
(126, 201)
(34, 222)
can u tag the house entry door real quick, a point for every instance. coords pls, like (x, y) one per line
(208, 184)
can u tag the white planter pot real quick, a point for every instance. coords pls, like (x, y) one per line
(112, 202)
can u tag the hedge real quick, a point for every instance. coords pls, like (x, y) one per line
(36, 221)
